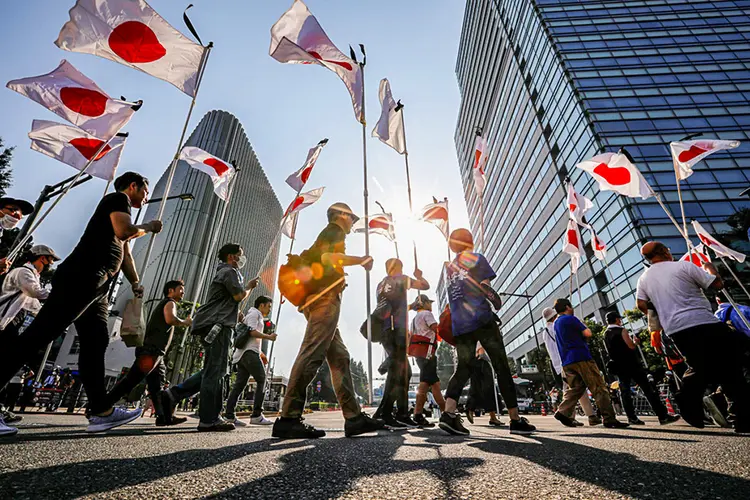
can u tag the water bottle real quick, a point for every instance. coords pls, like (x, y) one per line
(211, 335)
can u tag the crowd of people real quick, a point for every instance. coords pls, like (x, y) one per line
(32, 315)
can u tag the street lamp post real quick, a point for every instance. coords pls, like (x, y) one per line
(536, 337)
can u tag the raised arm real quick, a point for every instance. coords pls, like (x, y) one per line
(170, 316)
(343, 260)
(125, 229)
(418, 282)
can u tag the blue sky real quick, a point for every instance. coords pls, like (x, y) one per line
(285, 110)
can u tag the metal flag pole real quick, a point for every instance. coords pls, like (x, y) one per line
(448, 228)
(173, 166)
(731, 271)
(622, 304)
(578, 289)
(400, 109)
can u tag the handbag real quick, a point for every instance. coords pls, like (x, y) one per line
(133, 327)
(445, 327)
(378, 317)
(241, 336)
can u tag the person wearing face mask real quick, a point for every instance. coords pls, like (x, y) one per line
(214, 323)
(79, 296)
(12, 211)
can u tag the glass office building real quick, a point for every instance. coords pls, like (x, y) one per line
(551, 83)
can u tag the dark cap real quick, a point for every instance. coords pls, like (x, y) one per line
(26, 207)
(612, 317)
(421, 301)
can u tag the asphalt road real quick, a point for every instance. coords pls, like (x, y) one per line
(52, 457)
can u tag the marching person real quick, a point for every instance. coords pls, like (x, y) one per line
(214, 323)
(149, 358)
(322, 340)
(249, 362)
(580, 369)
(726, 313)
(468, 280)
(629, 370)
(424, 325)
(482, 389)
(550, 342)
(392, 290)
(12, 211)
(79, 296)
(676, 291)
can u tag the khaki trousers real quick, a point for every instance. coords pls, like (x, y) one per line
(579, 376)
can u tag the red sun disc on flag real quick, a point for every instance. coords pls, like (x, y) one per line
(436, 213)
(317, 56)
(616, 176)
(306, 173)
(89, 147)
(379, 223)
(573, 237)
(219, 166)
(599, 244)
(136, 43)
(299, 200)
(85, 102)
(705, 240)
(691, 153)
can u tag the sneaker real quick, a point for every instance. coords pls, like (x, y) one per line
(218, 426)
(407, 421)
(566, 421)
(6, 430)
(390, 423)
(710, 405)
(260, 420)
(118, 417)
(616, 424)
(10, 417)
(576, 423)
(236, 421)
(362, 424)
(452, 424)
(497, 423)
(636, 421)
(594, 420)
(162, 421)
(470, 416)
(294, 428)
(168, 402)
(521, 426)
(422, 422)
(669, 419)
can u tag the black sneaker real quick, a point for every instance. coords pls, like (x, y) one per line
(594, 420)
(294, 428)
(389, 422)
(168, 403)
(636, 421)
(10, 417)
(521, 426)
(470, 416)
(361, 424)
(218, 426)
(453, 424)
(407, 421)
(577, 423)
(669, 419)
(163, 421)
(616, 424)
(497, 423)
(566, 421)
(422, 422)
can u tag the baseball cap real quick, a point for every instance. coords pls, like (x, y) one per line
(549, 314)
(40, 250)
(341, 208)
(612, 317)
(420, 301)
(26, 207)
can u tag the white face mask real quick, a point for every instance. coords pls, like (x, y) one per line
(9, 222)
(241, 262)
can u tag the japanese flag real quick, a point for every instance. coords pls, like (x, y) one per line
(69, 94)
(297, 38)
(686, 154)
(303, 200)
(298, 179)
(437, 213)
(598, 245)
(614, 172)
(219, 171)
(698, 256)
(130, 32)
(75, 147)
(578, 204)
(390, 126)
(480, 161)
(381, 224)
(711, 242)
(572, 244)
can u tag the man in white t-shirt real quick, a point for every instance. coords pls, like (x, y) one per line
(676, 291)
(550, 315)
(424, 329)
(249, 362)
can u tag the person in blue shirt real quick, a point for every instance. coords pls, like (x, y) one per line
(727, 313)
(579, 368)
(472, 320)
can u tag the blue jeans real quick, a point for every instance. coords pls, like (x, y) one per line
(210, 380)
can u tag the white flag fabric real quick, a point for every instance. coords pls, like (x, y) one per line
(614, 172)
(299, 178)
(572, 244)
(75, 147)
(598, 245)
(69, 94)
(130, 32)
(381, 224)
(698, 256)
(578, 204)
(437, 213)
(686, 154)
(303, 200)
(220, 171)
(480, 161)
(298, 38)
(390, 126)
(712, 243)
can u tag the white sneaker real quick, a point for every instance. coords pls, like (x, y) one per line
(118, 417)
(238, 423)
(6, 430)
(260, 420)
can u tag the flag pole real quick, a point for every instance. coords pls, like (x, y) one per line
(622, 304)
(578, 289)
(481, 218)
(173, 166)
(737, 278)
(448, 228)
(408, 184)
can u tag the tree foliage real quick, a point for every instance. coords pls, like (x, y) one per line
(6, 177)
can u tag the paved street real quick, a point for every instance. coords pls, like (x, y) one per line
(53, 458)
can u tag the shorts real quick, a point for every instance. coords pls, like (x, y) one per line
(428, 370)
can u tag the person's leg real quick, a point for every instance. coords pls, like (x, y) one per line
(258, 372)
(422, 389)
(401, 389)
(240, 383)
(126, 384)
(465, 350)
(215, 362)
(586, 406)
(575, 389)
(386, 403)
(492, 342)
(438, 395)
(187, 388)
(598, 387)
(93, 336)
(341, 376)
(626, 395)
(693, 344)
(727, 355)
(640, 377)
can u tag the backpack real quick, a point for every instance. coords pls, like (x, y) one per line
(241, 336)
(445, 327)
(378, 317)
(300, 279)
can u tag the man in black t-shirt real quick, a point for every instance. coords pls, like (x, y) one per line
(629, 371)
(322, 340)
(79, 296)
